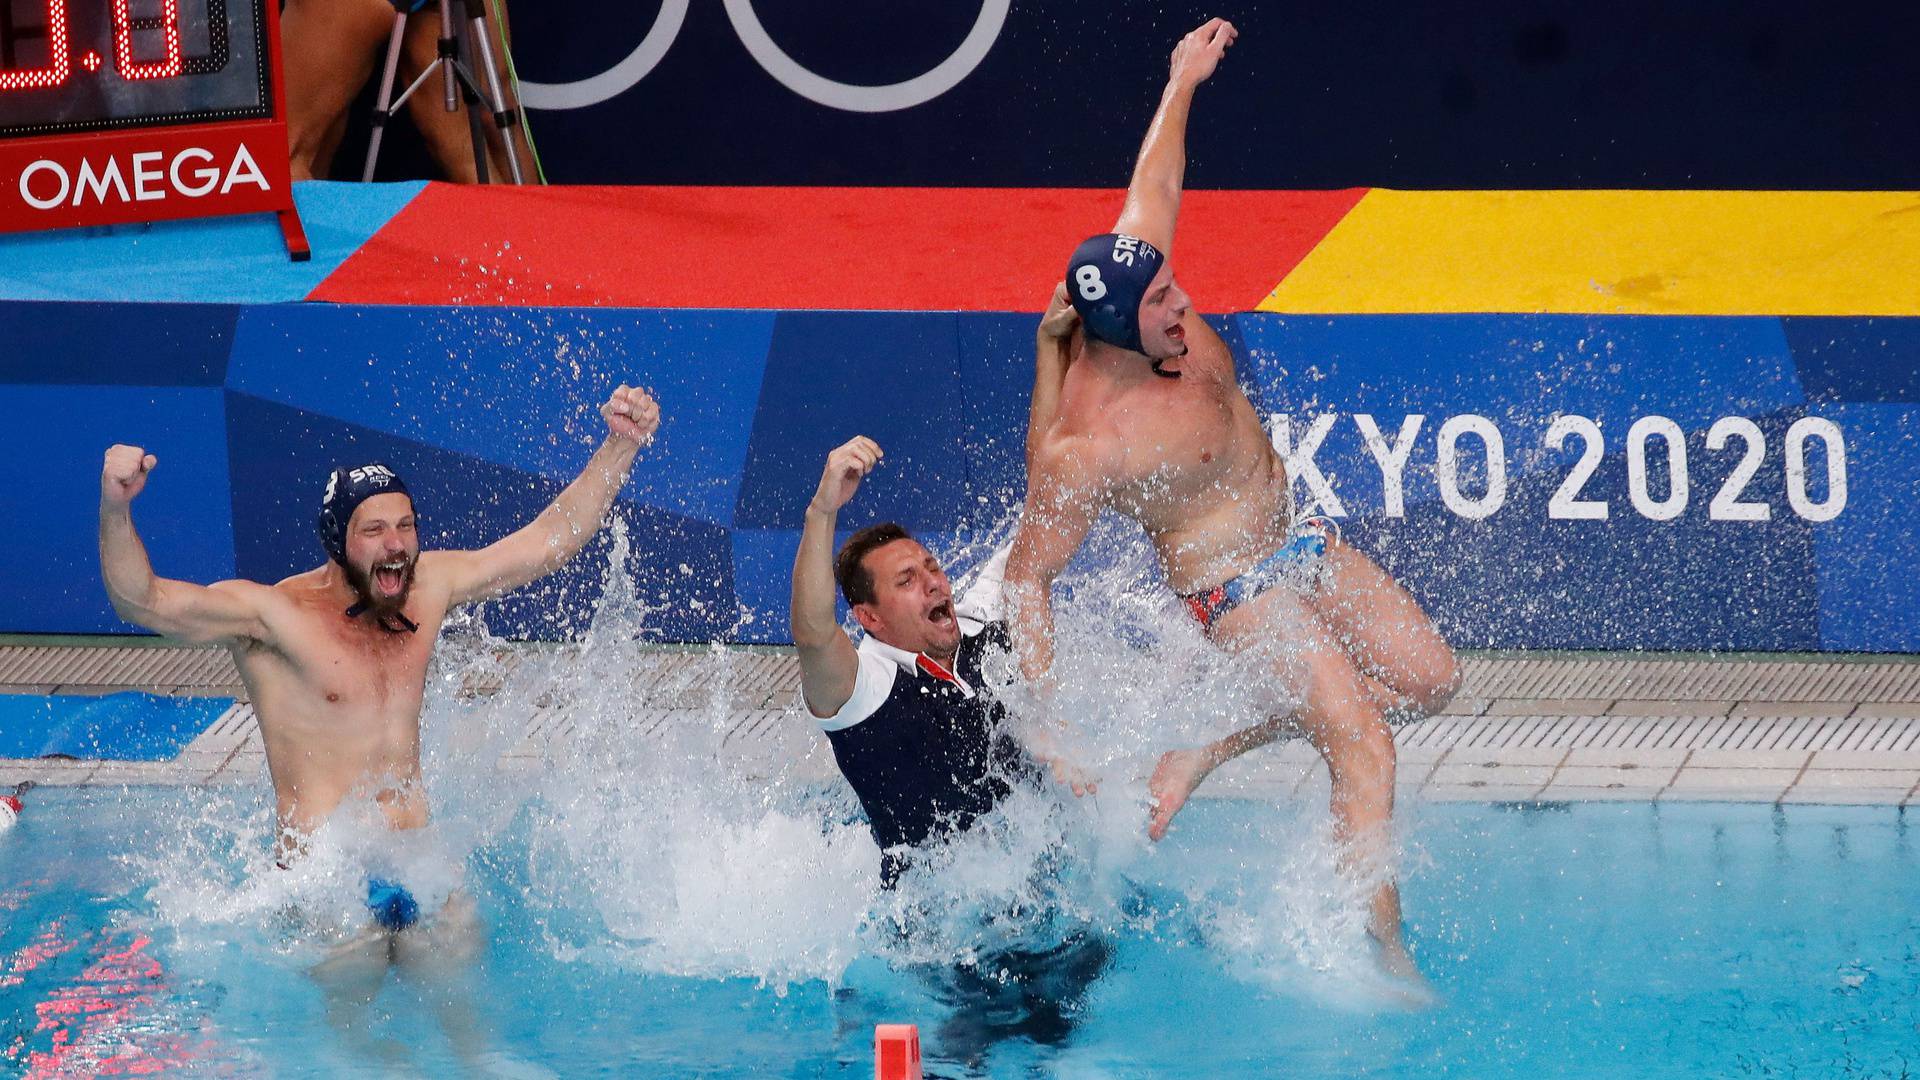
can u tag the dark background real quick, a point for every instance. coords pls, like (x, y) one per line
(1492, 94)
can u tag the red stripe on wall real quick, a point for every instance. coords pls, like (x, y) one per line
(964, 249)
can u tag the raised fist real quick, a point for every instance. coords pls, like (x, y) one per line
(1199, 52)
(846, 467)
(125, 473)
(1058, 323)
(631, 414)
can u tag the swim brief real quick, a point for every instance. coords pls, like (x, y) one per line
(1299, 559)
(393, 907)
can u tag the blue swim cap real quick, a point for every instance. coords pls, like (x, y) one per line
(347, 488)
(1108, 277)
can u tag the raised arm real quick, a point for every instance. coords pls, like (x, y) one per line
(1153, 195)
(1065, 493)
(565, 526)
(229, 611)
(828, 663)
(1052, 355)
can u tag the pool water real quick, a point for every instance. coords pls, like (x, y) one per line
(1585, 940)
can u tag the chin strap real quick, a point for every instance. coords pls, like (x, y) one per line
(1158, 370)
(407, 626)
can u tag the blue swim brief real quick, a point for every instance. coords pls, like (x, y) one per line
(393, 907)
(1306, 545)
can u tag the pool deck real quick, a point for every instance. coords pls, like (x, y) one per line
(1524, 728)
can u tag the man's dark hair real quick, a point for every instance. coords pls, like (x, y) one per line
(849, 569)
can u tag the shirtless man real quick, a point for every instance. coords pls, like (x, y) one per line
(333, 46)
(1150, 421)
(335, 659)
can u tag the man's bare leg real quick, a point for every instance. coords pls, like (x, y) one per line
(449, 941)
(1389, 639)
(350, 978)
(331, 47)
(1345, 722)
(439, 954)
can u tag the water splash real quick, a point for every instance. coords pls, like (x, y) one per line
(645, 832)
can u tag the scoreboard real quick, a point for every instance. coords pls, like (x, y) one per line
(142, 110)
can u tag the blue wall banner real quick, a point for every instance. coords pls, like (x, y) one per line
(1538, 481)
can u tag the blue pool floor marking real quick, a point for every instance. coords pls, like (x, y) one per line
(238, 259)
(120, 727)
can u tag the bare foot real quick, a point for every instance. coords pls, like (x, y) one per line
(1413, 989)
(1399, 963)
(1179, 772)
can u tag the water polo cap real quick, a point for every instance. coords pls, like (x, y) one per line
(347, 488)
(1107, 279)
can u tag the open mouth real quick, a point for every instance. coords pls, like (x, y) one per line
(1177, 332)
(942, 614)
(391, 578)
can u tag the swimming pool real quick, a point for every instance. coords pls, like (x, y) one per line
(1567, 940)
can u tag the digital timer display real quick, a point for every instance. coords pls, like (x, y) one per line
(71, 66)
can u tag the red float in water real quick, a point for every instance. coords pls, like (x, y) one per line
(896, 1052)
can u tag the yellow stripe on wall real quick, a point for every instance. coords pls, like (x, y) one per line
(1616, 252)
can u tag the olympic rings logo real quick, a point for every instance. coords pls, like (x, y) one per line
(774, 61)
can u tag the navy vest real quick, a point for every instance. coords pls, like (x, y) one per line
(929, 760)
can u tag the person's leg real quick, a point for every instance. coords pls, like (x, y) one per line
(353, 970)
(1390, 640)
(1345, 722)
(349, 978)
(331, 47)
(438, 954)
(1054, 984)
(446, 942)
(1271, 623)
(329, 146)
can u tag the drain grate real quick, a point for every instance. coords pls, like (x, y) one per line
(769, 677)
(155, 667)
(1890, 679)
(1662, 733)
(1816, 703)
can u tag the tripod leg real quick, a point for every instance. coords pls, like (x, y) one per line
(458, 74)
(503, 117)
(477, 131)
(449, 51)
(383, 107)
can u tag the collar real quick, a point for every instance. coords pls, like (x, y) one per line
(914, 663)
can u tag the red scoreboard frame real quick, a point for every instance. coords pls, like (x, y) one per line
(75, 154)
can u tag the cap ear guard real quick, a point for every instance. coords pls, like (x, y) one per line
(1107, 278)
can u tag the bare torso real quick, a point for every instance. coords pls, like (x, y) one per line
(1186, 458)
(338, 700)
